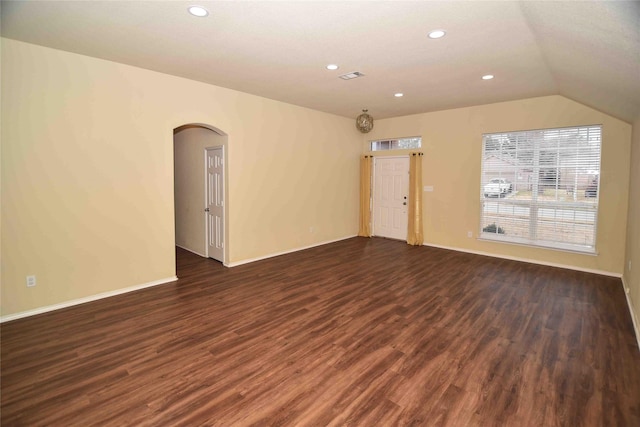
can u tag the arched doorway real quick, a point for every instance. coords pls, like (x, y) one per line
(200, 188)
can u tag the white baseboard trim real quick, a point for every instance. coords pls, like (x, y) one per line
(247, 261)
(78, 301)
(192, 251)
(532, 261)
(634, 318)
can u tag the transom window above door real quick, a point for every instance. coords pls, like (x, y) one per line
(397, 143)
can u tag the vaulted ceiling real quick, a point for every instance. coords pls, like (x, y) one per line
(586, 51)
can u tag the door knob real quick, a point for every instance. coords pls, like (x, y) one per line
(206, 210)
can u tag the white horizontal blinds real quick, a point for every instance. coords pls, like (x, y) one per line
(541, 187)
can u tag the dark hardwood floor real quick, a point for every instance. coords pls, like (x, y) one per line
(363, 332)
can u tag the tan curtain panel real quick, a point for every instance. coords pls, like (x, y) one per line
(365, 196)
(414, 232)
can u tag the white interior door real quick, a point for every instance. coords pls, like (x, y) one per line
(215, 203)
(390, 197)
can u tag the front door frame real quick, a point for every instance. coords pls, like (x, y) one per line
(373, 192)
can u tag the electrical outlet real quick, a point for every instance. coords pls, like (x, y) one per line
(469, 233)
(629, 265)
(311, 230)
(31, 281)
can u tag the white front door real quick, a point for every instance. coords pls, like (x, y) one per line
(390, 197)
(215, 203)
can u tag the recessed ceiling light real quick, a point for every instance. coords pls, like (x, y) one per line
(332, 67)
(198, 11)
(436, 34)
(399, 95)
(487, 77)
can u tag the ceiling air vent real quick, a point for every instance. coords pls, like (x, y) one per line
(353, 75)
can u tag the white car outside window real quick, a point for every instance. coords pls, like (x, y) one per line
(497, 187)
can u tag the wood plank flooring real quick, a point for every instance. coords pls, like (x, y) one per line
(362, 332)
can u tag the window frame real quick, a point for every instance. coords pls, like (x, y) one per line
(561, 208)
(391, 141)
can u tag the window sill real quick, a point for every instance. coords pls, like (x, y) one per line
(557, 247)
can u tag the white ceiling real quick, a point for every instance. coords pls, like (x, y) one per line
(586, 51)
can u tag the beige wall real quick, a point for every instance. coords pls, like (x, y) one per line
(452, 146)
(189, 183)
(87, 174)
(632, 275)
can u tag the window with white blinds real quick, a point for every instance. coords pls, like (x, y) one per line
(541, 187)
